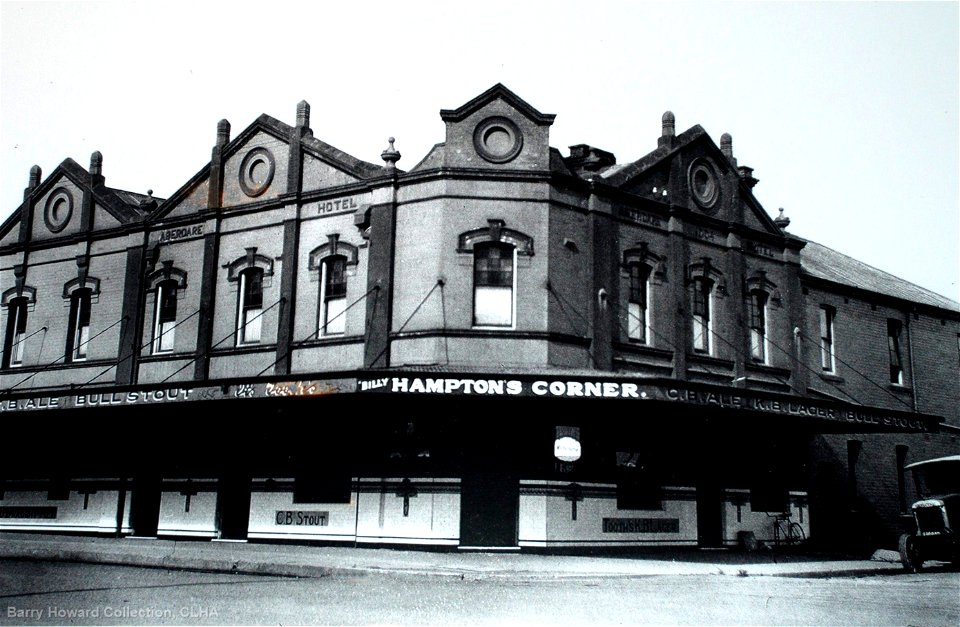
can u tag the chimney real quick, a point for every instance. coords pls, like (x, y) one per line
(584, 158)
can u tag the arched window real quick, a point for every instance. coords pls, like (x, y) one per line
(165, 316)
(14, 340)
(167, 284)
(333, 295)
(78, 333)
(250, 306)
(493, 284)
(333, 262)
(702, 305)
(638, 325)
(757, 315)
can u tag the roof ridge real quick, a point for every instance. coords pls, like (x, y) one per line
(925, 290)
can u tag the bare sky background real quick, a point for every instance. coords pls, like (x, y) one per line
(847, 111)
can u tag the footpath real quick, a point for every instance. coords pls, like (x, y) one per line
(326, 561)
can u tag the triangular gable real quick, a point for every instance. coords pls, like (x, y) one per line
(654, 170)
(188, 200)
(256, 166)
(10, 228)
(57, 204)
(495, 92)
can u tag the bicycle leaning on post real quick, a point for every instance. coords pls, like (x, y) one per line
(786, 531)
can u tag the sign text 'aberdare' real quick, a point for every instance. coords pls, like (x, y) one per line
(180, 232)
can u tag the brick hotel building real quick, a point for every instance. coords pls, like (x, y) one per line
(502, 348)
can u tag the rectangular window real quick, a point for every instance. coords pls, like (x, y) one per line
(493, 281)
(251, 306)
(638, 310)
(894, 328)
(827, 358)
(333, 295)
(166, 317)
(78, 334)
(758, 326)
(702, 296)
(14, 340)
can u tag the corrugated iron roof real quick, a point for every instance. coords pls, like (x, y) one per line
(825, 263)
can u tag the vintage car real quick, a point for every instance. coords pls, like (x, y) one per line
(936, 515)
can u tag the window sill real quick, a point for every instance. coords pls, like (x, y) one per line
(768, 369)
(705, 359)
(899, 387)
(831, 377)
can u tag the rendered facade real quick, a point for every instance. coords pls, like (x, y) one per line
(501, 348)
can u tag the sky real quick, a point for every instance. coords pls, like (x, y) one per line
(847, 111)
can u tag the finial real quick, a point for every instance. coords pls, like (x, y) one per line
(726, 147)
(669, 124)
(96, 162)
(303, 114)
(390, 155)
(149, 202)
(781, 220)
(34, 176)
(223, 132)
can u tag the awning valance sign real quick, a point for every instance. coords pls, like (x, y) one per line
(844, 416)
(852, 417)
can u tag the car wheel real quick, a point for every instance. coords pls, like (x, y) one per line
(910, 553)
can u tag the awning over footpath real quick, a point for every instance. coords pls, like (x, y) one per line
(831, 415)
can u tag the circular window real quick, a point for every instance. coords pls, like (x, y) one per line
(704, 184)
(498, 140)
(256, 172)
(57, 211)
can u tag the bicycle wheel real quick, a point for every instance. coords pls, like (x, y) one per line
(795, 533)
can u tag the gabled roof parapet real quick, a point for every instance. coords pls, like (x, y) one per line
(497, 91)
(319, 148)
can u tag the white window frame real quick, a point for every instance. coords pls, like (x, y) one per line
(894, 346)
(18, 310)
(80, 332)
(828, 339)
(637, 322)
(249, 321)
(702, 332)
(164, 332)
(332, 310)
(759, 343)
(493, 289)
